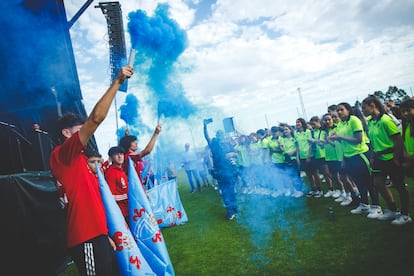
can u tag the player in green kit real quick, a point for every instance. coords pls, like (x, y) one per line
(355, 148)
(387, 143)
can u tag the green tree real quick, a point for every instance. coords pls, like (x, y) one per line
(396, 94)
(380, 95)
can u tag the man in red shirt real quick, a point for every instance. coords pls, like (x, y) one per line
(130, 145)
(87, 232)
(117, 180)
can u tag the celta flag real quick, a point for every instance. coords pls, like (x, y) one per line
(130, 259)
(144, 227)
(166, 204)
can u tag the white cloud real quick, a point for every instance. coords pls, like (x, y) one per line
(249, 57)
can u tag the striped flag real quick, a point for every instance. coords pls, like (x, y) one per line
(130, 259)
(144, 227)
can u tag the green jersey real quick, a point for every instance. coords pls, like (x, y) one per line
(265, 149)
(243, 158)
(338, 144)
(331, 153)
(256, 153)
(302, 138)
(380, 132)
(408, 140)
(351, 126)
(277, 157)
(319, 150)
(289, 146)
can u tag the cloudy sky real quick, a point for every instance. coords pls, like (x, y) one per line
(247, 59)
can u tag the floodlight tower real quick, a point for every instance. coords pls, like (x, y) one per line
(302, 105)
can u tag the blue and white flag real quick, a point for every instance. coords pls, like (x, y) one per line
(166, 204)
(130, 259)
(144, 227)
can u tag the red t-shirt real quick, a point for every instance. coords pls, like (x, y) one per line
(86, 217)
(138, 164)
(118, 184)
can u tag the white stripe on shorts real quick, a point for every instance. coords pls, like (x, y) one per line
(89, 259)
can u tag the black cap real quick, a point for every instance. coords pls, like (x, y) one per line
(115, 150)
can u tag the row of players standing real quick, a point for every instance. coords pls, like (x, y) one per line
(354, 157)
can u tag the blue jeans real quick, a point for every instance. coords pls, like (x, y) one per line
(190, 175)
(227, 186)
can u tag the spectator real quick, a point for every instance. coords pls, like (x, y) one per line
(189, 164)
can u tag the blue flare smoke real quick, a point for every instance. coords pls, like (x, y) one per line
(129, 112)
(160, 41)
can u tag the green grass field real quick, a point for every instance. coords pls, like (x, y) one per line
(284, 236)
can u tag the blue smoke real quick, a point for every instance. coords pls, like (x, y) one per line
(129, 112)
(160, 41)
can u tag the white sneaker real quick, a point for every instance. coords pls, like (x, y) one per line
(362, 208)
(328, 193)
(277, 193)
(318, 194)
(336, 194)
(347, 200)
(374, 212)
(388, 215)
(401, 220)
(297, 194)
(339, 199)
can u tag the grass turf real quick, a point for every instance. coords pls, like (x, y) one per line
(284, 236)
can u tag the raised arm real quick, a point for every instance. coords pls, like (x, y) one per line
(101, 108)
(150, 146)
(206, 136)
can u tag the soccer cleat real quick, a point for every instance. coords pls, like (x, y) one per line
(374, 212)
(362, 208)
(328, 193)
(388, 215)
(401, 220)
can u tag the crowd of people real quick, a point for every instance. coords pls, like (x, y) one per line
(354, 153)
(350, 154)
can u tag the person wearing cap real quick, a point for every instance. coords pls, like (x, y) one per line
(117, 179)
(87, 233)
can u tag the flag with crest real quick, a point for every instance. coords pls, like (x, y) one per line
(130, 259)
(144, 226)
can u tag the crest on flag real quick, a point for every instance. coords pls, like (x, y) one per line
(131, 261)
(166, 204)
(144, 226)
